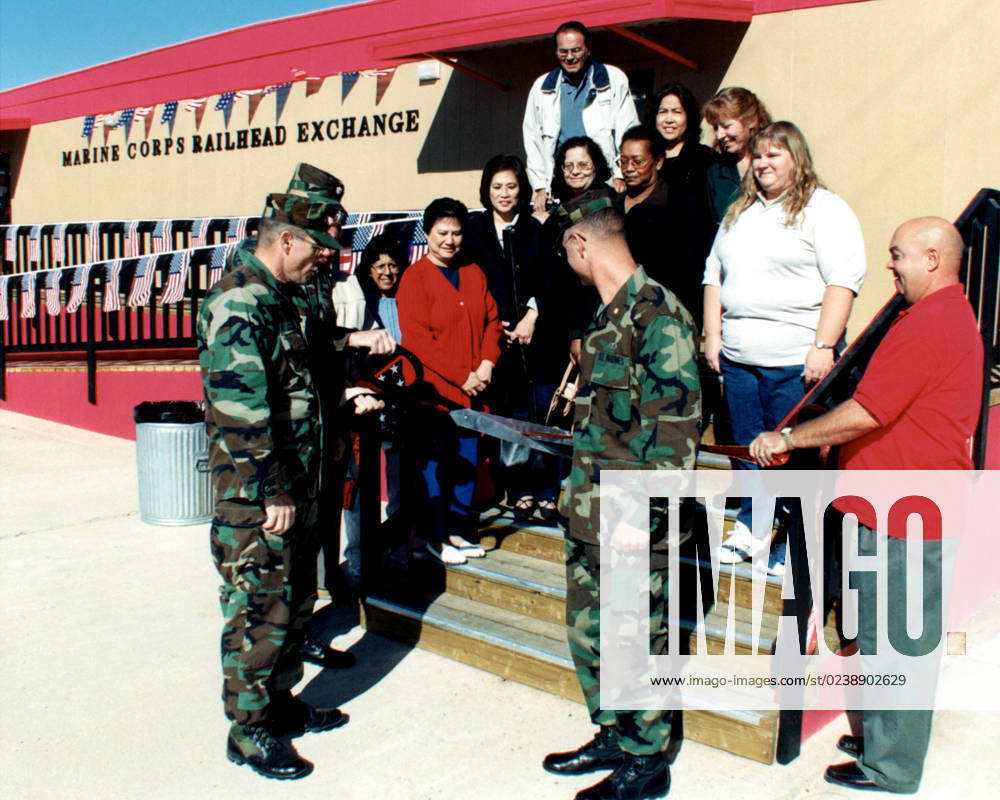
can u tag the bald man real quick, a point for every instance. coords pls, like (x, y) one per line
(915, 408)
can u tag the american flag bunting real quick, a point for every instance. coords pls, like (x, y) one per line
(142, 282)
(4, 310)
(78, 291)
(176, 282)
(34, 245)
(53, 304)
(94, 240)
(28, 294)
(161, 236)
(59, 244)
(169, 114)
(88, 127)
(197, 236)
(217, 263)
(418, 245)
(133, 238)
(112, 272)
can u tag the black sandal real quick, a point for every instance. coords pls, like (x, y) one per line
(548, 512)
(524, 508)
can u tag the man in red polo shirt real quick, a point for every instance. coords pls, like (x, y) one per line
(915, 408)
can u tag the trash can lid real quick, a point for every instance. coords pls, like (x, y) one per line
(183, 411)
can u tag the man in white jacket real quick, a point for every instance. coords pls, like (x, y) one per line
(580, 97)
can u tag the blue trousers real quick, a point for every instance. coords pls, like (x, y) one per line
(758, 399)
(447, 462)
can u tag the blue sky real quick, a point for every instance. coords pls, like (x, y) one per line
(43, 38)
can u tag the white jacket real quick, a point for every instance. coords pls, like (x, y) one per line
(610, 111)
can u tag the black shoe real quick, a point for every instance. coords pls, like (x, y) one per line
(550, 516)
(297, 717)
(638, 778)
(259, 748)
(851, 776)
(599, 753)
(854, 746)
(315, 652)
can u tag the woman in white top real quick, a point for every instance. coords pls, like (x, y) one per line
(780, 281)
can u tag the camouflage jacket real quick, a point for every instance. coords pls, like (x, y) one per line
(263, 417)
(639, 402)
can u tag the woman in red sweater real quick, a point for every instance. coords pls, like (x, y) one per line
(449, 321)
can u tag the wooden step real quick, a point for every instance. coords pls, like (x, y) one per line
(535, 652)
(501, 531)
(537, 588)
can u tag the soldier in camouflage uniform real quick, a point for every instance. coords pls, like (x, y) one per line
(328, 341)
(638, 407)
(265, 425)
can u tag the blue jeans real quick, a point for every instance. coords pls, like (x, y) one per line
(447, 463)
(758, 399)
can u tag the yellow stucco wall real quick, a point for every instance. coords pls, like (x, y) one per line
(898, 100)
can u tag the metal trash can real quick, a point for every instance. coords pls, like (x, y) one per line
(171, 448)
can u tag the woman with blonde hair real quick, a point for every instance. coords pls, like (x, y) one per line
(779, 285)
(735, 115)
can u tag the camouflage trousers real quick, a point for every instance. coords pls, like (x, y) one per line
(267, 596)
(639, 732)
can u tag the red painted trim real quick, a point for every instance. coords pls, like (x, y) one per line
(61, 396)
(379, 33)
(772, 6)
(14, 124)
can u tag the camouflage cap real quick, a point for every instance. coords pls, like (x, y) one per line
(303, 213)
(317, 185)
(568, 214)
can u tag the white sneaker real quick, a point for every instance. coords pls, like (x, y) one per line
(446, 553)
(740, 545)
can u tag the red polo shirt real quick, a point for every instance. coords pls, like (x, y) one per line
(924, 386)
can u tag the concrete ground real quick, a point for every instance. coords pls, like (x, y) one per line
(110, 676)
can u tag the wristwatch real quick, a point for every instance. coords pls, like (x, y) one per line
(822, 345)
(786, 434)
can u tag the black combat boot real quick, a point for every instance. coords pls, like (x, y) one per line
(291, 716)
(316, 652)
(599, 753)
(638, 778)
(259, 748)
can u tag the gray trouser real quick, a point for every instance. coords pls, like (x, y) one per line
(896, 741)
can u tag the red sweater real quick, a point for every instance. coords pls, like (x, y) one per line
(450, 331)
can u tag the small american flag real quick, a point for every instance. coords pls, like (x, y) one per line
(28, 294)
(53, 304)
(233, 228)
(142, 281)
(143, 111)
(217, 263)
(88, 127)
(4, 310)
(78, 292)
(125, 118)
(34, 245)
(59, 243)
(195, 104)
(10, 239)
(198, 228)
(112, 272)
(161, 236)
(418, 246)
(358, 219)
(133, 237)
(225, 101)
(94, 240)
(168, 114)
(173, 287)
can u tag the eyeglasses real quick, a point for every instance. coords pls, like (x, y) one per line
(316, 248)
(624, 161)
(392, 266)
(338, 217)
(579, 166)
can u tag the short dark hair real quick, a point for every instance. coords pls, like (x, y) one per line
(644, 133)
(500, 163)
(572, 25)
(691, 110)
(602, 172)
(443, 208)
(383, 243)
